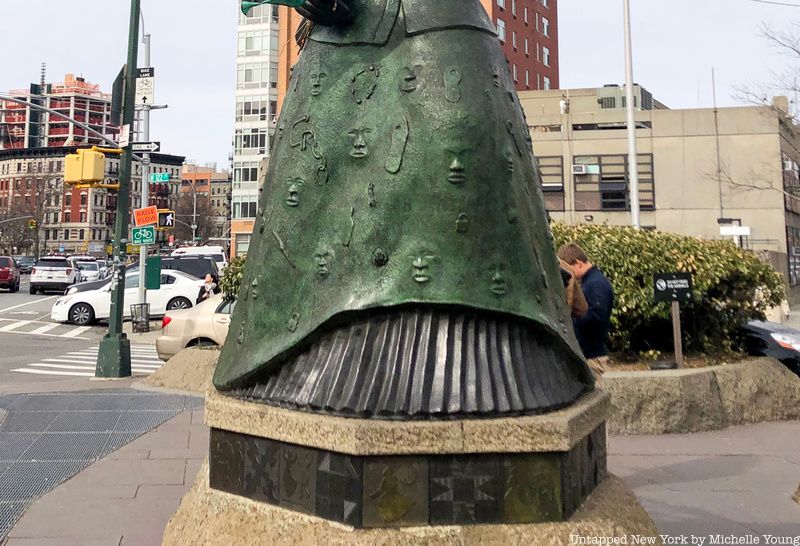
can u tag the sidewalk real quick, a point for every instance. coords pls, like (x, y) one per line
(733, 482)
(125, 498)
(737, 481)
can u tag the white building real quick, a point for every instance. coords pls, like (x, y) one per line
(256, 110)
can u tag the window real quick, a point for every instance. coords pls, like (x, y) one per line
(167, 279)
(242, 244)
(501, 30)
(514, 39)
(514, 8)
(527, 48)
(546, 56)
(552, 171)
(132, 281)
(545, 3)
(547, 84)
(501, 3)
(525, 17)
(545, 26)
(527, 78)
(245, 206)
(514, 72)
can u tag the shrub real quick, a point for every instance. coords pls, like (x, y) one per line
(232, 277)
(731, 286)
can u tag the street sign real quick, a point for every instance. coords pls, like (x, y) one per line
(144, 235)
(132, 250)
(672, 287)
(735, 231)
(124, 136)
(146, 146)
(159, 177)
(146, 216)
(145, 85)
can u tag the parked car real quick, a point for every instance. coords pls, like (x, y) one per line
(25, 263)
(776, 340)
(216, 253)
(54, 273)
(205, 325)
(178, 291)
(9, 274)
(90, 270)
(196, 266)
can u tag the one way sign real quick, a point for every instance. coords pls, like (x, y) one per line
(146, 146)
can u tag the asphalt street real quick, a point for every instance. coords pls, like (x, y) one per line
(37, 354)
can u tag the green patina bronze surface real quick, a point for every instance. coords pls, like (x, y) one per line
(401, 172)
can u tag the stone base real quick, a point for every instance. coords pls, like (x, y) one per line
(207, 516)
(703, 399)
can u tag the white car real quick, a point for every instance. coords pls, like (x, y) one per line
(54, 273)
(90, 271)
(178, 291)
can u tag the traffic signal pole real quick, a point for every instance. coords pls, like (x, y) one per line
(114, 354)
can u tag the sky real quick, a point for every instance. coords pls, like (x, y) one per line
(676, 43)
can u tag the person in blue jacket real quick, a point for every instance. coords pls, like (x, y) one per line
(592, 328)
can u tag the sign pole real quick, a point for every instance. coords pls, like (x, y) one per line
(114, 354)
(676, 332)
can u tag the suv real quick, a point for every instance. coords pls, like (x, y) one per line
(54, 273)
(196, 266)
(25, 263)
(9, 273)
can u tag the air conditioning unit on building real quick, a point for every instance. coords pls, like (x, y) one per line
(580, 169)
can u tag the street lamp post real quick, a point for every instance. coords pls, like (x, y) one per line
(633, 158)
(145, 171)
(114, 354)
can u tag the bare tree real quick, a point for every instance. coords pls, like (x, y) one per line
(785, 82)
(204, 216)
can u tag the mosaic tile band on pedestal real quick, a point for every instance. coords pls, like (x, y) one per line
(403, 491)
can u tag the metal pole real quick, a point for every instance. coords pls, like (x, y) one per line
(145, 172)
(633, 158)
(194, 208)
(114, 354)
(676, 333)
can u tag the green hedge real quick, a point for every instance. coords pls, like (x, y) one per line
(731, 285)
(232, 277)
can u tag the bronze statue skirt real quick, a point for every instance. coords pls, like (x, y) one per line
(401, 264)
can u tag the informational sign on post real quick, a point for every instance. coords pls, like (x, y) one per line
(674, 288)
(146, 216)
(145, 85)
(144, 235)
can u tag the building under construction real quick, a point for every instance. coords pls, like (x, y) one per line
(22, 126)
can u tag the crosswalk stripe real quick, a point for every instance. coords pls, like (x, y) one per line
(82, 363)
(44, 329)
(15, 325)
(45, 372)
(76, 331)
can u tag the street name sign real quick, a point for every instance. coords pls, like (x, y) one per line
(146, 216)
(146, 146)
(145, 85)
(672, 287)
(144, 235)
(159, 177)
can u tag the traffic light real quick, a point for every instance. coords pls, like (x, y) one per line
(32, 224)
(166, 219)
(88, 166)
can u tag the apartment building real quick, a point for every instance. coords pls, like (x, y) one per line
(699, 169)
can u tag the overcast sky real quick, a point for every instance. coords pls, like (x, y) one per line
(676, 43)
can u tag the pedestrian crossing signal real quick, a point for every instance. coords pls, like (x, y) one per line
(166, 219)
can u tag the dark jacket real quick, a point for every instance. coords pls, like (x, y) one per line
(592, 328)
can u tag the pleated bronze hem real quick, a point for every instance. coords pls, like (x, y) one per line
(428, 363)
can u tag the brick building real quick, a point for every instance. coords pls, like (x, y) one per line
(70, 220)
